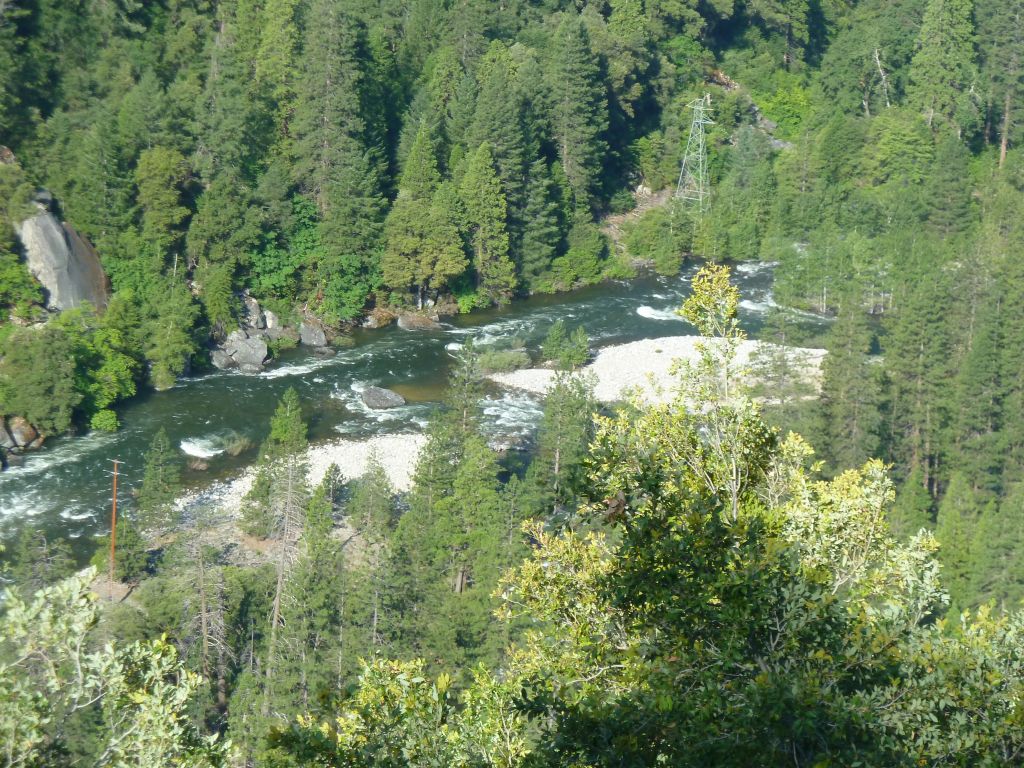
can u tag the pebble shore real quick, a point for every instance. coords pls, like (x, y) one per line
(646, 366)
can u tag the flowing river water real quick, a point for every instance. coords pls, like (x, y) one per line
(65, 487)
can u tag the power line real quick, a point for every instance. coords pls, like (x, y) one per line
(693, 185)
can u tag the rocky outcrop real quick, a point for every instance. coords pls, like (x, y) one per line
(62, 260)
(241, 350)
(379, 398)
(17, 434)
(411, 322)
(312, 334)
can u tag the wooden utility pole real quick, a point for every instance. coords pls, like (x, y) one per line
(113, 534)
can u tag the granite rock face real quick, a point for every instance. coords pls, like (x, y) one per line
(241, 350)
(62, 261)
(312, 334)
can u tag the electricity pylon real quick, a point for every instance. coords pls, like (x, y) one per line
(693, 185)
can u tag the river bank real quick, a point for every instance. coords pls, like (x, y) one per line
(645, 367)
(396, 453)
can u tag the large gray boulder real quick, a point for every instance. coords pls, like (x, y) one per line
(248, 353)
(379, 398)
(412, 322)
(312, 334)
(62, 261)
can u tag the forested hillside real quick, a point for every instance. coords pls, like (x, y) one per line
(697, 589)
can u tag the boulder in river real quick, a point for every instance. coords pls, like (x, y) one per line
(240, 349)
(22, 434)
(62, 260)
(411, 322)
(379, 398)
(312, 334)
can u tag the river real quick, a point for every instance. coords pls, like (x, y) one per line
(65, 487)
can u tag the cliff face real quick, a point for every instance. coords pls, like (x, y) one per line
(63, 261)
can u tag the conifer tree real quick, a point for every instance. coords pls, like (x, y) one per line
(161, 483)
(312, 631)
(371, 513)
(565, 432)
(943, 71)
(978, 401)
(948, 200)
(1000, 42)
(334, 163)
(912, 509)
(850, 393)
(498, 121)
(955, 527)
(541, 230)
(170, 342)
(486, 214)
(918, 366)
(579, 110)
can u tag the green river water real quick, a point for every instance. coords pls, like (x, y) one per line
(65, 487)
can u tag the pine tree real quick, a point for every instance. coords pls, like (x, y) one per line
(312, 631)
(444, 254)
(161, 483)
(997, 553)
(977, 431)
(371, 513)
(1000, 42)
(578, 109)
(279, 485)
(948, 200)
(486, 215)
(850, 393)
(912, 509)
(919, 367)
(942, 72)
(170, 344)
(277, 59)
(424, 248)
(565, 432)
(498, 121)
(955, 527)
(334, 163)
(542, 233)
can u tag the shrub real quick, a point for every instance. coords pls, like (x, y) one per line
(568, 351)
(104, 420)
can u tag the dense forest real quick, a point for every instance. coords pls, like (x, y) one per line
(673, 585)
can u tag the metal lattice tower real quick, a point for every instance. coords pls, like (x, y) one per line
(693, 185)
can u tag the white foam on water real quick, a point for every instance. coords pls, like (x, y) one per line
(45, 459)
(297, 369)
(203, 447)
(755, 267)
(758, 306)
(658, 314)
(511, 413)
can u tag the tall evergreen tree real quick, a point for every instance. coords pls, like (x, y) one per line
(943, 72)
(334, 163)
(486, 214)
(161, 483)
(542, 232)
(851, 391)
(955, 527)
(578, 110)
(565, 432)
